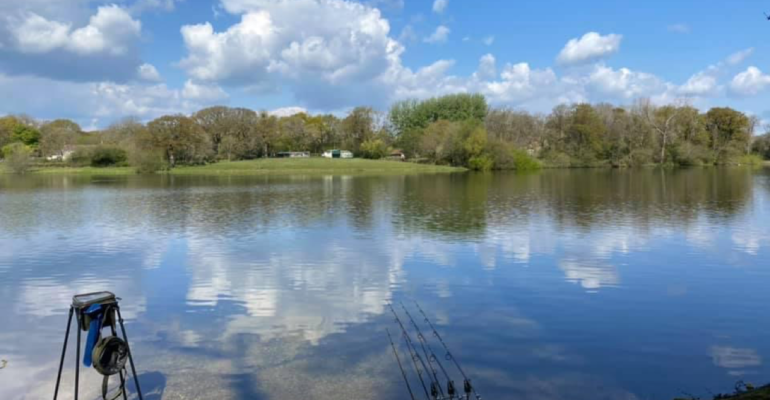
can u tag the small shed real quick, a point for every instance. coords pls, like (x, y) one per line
(293, 154)
(338, 154)
(397, 155)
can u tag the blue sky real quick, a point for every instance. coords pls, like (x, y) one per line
(97, 61)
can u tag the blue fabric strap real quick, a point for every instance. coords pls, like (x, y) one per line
(94, 331)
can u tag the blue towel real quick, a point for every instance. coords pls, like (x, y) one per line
(94, 331)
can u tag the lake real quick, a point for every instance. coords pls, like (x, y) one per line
(560, 284)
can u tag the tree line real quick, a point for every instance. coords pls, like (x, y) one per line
(460, 129)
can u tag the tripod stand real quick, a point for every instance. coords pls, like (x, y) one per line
(80, 304)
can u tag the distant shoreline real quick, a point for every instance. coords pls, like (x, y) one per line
(272, 166)
(289, 166)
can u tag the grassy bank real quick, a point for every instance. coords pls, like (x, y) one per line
(320, 166)
(307, 166)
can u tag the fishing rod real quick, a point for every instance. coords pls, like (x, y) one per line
(428, 357)
(434, 393)
(423, 342)
(467, 386)
(393, 346)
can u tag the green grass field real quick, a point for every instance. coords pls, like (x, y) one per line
(321, 166)
(273, 166)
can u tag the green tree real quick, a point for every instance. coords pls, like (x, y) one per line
(7, 124)
(586, 134)
(357, 127)
(236, 126)
(17, 157)
(762, 146)
(266, 133)
(410, 114)
(375, 149)
(106, 156)
(29, 135)
(56, 135)
(180, 139)
(729, 131)
(124, 133)
(411, 118)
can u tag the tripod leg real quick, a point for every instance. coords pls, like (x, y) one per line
(63, 352)
(130, 356)
(77, 359)
(120, 373)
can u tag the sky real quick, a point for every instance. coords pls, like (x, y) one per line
(96, 61)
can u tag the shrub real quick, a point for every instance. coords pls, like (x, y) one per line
(689, 155)
(523, 161)
(507, 157)
(374, 149)
(147, 161)
(730, 155)
(80, 158)
(640, 157)
(555, 159)
(752, 160)
(483, 162)
(18, 157)
(104, 156)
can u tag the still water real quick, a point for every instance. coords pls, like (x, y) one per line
(553, 285)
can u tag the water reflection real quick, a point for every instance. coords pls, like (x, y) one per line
(264, 287)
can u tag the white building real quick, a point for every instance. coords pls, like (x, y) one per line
(338, 154)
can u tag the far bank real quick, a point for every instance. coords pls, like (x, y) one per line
(269, 166)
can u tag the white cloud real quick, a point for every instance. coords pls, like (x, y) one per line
(242, 49)
(440, 35)
(701, 84)
(39, 35)
(144, 5)
(749, 82)
(740, 56)
(591, 47)
(327, 54)
(624, 83)
(326, 51)
(148, 72)
(519, 82)
(679, 28)
(288, 111)
(489, 40)
(487, 68)
(203, 92)
(106, 101)
(439, 6)
(427, 82)
(110, 31)
(706, 83)
(318, 62)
